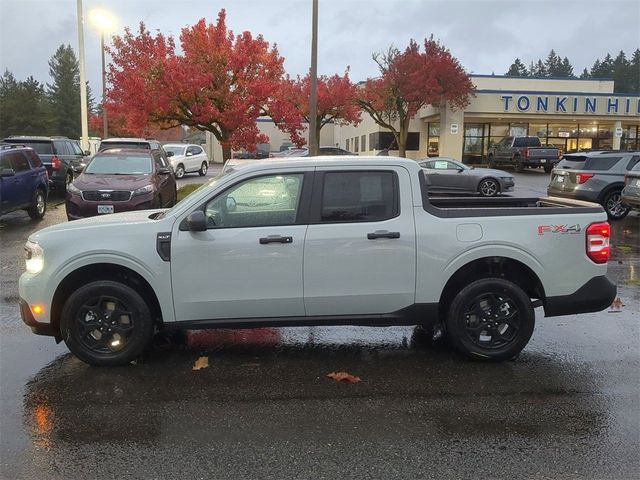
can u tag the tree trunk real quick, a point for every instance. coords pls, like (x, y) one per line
(402, 139)
(226, 152)
(318, 128)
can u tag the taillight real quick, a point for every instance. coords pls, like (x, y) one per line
(583, 177)
(525, 152)
(55, 163)
(598, 248)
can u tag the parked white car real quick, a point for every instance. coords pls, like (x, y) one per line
(187, 158)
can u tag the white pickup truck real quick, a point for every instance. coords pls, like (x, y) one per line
(310, 241)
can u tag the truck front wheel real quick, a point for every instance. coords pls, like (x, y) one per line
(106, 323)
(490, 319)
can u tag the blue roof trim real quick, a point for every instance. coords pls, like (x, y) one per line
(582, 94)
(602, 79)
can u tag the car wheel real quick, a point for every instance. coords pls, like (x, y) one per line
(106, 323)
(179, 173)
(490, 319)
(614, 207)
(519, 165)
(38, 205)
(203, 169)
(489, 187)
(548, 168)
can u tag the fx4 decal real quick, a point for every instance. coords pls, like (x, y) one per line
(562, 229)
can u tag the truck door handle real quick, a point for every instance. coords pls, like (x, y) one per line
(383, 234)
(275, 239)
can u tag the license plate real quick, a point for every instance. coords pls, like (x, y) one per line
(560, 179)
(105, 208)
(544, 160)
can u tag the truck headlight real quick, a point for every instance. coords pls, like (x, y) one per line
(143, 190)
(71, 188)
(34, 257)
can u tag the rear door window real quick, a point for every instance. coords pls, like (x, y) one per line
(62, 148)
(19, 162)
(34, 159)
(633, 162)
(367, 196)
(75, 148)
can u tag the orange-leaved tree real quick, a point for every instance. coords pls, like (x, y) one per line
(336, 103)
(218, 82)
(411, 80)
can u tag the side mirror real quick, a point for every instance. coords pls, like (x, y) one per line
(86, 153)
(189, 154)
(77, 169)
(460, 169)
(164, 171)
(231, 204)
(170, 154)
(7, 172)
(197, 222)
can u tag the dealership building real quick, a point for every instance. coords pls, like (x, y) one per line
(570, 114)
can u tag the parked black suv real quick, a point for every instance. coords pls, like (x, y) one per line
(60, 155)
(596, 176)
(142, 143)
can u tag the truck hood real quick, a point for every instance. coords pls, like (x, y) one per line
(119, 220)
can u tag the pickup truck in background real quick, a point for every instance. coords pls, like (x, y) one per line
(318, 241)
(521, 152)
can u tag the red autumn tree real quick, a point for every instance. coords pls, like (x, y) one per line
(219, 82)
(411, 80)
(337, 102)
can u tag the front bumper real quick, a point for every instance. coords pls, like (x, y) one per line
(594, 296)
(78, 208)
(39, 328)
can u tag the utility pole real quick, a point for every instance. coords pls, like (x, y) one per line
(313, 101)
(84, 120)
(105, 133)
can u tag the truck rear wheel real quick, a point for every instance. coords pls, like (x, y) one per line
(518, 164)
(106, 323)
(490, 319)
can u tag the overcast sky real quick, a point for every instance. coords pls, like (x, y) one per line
(485, 35)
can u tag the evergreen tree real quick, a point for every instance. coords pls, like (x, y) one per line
(517, 69)
(634, 66)
(585, 74)
(539, 70)
(64, 92)
(622, 74)
(603, 69)
(23, 106)
(552, 65)
(566, 69)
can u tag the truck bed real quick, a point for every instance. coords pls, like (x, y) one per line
(505, 206)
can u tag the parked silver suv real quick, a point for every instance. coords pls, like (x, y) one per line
(595, 177)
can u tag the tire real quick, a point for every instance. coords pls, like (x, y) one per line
(616, 210)
(489, 187)
(477, 318)
(179, 173)
(491, 162)
(548, 168)
(203, 169)
(38, 205)
(519, 166)
(90, 332)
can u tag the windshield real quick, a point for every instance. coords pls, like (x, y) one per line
(175, 149)
(43, 148)
(119, 165)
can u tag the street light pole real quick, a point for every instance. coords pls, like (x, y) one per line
(104, 88)
(313, 101)
(84, 120)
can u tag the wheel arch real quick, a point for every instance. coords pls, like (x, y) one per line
(103, 271)
(487, 267)
(608, 189)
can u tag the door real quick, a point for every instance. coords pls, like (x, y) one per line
(20, 186)
(248, 263)
(166, 181)
(360, 252)
(447, 176)
(193, 158)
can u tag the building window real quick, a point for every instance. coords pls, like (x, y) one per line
(433, 139)
(382, 141)
(346, 144)
(413, 141)
(629, 140)
(475, 142)
(363, 143)
(355, 145)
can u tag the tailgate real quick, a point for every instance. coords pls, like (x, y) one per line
(549, 153)
(563, 180)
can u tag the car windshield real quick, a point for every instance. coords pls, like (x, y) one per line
(175, 149)
(140, 145)
(119, 165)
(43, 148)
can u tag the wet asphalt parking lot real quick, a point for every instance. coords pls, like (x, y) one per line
(567, 407)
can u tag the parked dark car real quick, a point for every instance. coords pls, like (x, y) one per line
(521, 152)
(445, 175)
(24, 183)
(631, 191)
(596, 176)
(121, 180)
(60, 155)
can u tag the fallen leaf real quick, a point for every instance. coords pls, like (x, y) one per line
(202, 362)
(343, 377)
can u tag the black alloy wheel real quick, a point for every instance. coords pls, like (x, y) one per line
(489, 187)
(38, 205)
(106, 323)
(490, 319)
(613, 205)
(179, 171)
(203, 169)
